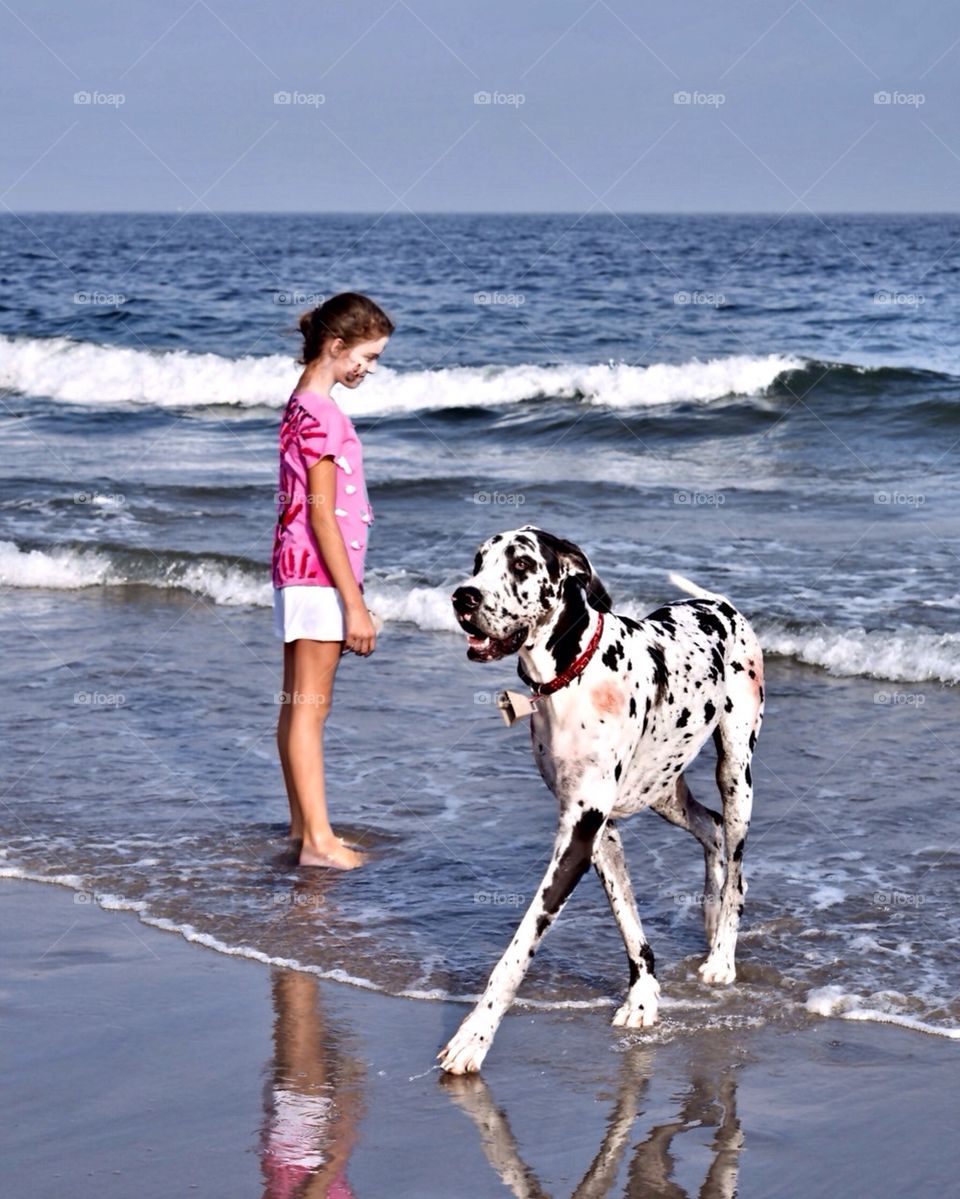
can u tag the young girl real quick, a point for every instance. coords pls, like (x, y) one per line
(323, 522)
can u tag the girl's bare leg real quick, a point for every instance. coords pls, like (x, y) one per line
(283, 742)
(311, 695)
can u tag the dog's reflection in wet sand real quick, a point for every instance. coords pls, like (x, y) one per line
(710, 1102)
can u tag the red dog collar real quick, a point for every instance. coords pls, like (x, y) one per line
(573, 670)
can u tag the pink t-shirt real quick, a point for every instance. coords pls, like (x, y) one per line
(312, 428)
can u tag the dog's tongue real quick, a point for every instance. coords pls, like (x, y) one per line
(484, 649)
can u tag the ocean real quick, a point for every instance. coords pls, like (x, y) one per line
(769, 406)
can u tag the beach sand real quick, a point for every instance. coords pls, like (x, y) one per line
(139, 1064)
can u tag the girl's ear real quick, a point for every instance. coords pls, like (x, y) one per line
(337, 346)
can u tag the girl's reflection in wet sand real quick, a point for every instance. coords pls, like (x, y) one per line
(313, 1093)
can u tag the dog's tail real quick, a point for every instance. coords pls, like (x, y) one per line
(700, 592)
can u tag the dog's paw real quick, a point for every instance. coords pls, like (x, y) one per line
(718, 971)
(466, 1049)
(628, 1016)
(639, 1010)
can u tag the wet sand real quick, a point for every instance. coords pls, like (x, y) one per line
(138, 1064)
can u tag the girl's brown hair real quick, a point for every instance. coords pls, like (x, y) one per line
(349, 316)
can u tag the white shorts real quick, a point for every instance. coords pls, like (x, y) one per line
(315, 613)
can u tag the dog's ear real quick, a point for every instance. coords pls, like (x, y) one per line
(578, 567)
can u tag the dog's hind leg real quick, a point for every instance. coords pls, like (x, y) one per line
(639, 1009)
(680, 808)
(735, 737)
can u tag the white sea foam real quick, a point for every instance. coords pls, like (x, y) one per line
(87, 373)
(864, 943)
(879, 1009)
(826, 896)
(905, 656)
(73, 881)
(438, 995)
(902, 656)
(228, 585)
(428, 608)
(59, 569)
(66, 569)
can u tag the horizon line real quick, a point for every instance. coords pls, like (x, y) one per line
(517, 212)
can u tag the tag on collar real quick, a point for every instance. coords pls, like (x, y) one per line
(514, 706)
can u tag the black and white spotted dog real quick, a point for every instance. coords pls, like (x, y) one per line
(621, 708)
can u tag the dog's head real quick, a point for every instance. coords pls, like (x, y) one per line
(520, 579)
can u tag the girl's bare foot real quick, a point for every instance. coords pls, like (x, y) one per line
(332, 853)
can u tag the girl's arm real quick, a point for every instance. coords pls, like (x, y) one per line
(359, 634)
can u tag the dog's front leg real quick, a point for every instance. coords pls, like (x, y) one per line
(572, 852)
(472, 1095)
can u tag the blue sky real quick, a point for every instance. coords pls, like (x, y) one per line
(748, 105)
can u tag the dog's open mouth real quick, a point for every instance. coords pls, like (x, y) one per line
(483, 648)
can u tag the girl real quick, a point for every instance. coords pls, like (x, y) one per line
(318, 552)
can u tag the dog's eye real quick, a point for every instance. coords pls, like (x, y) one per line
(523, 565)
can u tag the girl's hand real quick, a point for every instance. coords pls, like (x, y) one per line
(360, 635)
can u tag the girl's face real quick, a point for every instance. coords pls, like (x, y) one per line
(353, 363)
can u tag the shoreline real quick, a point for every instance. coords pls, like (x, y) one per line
(153, 1064)
(827, 1002)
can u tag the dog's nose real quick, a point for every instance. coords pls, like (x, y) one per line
(466, 599)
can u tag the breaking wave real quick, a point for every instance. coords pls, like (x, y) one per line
(90, 374)
(899, 655)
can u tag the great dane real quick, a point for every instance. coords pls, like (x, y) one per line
(619, 709)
